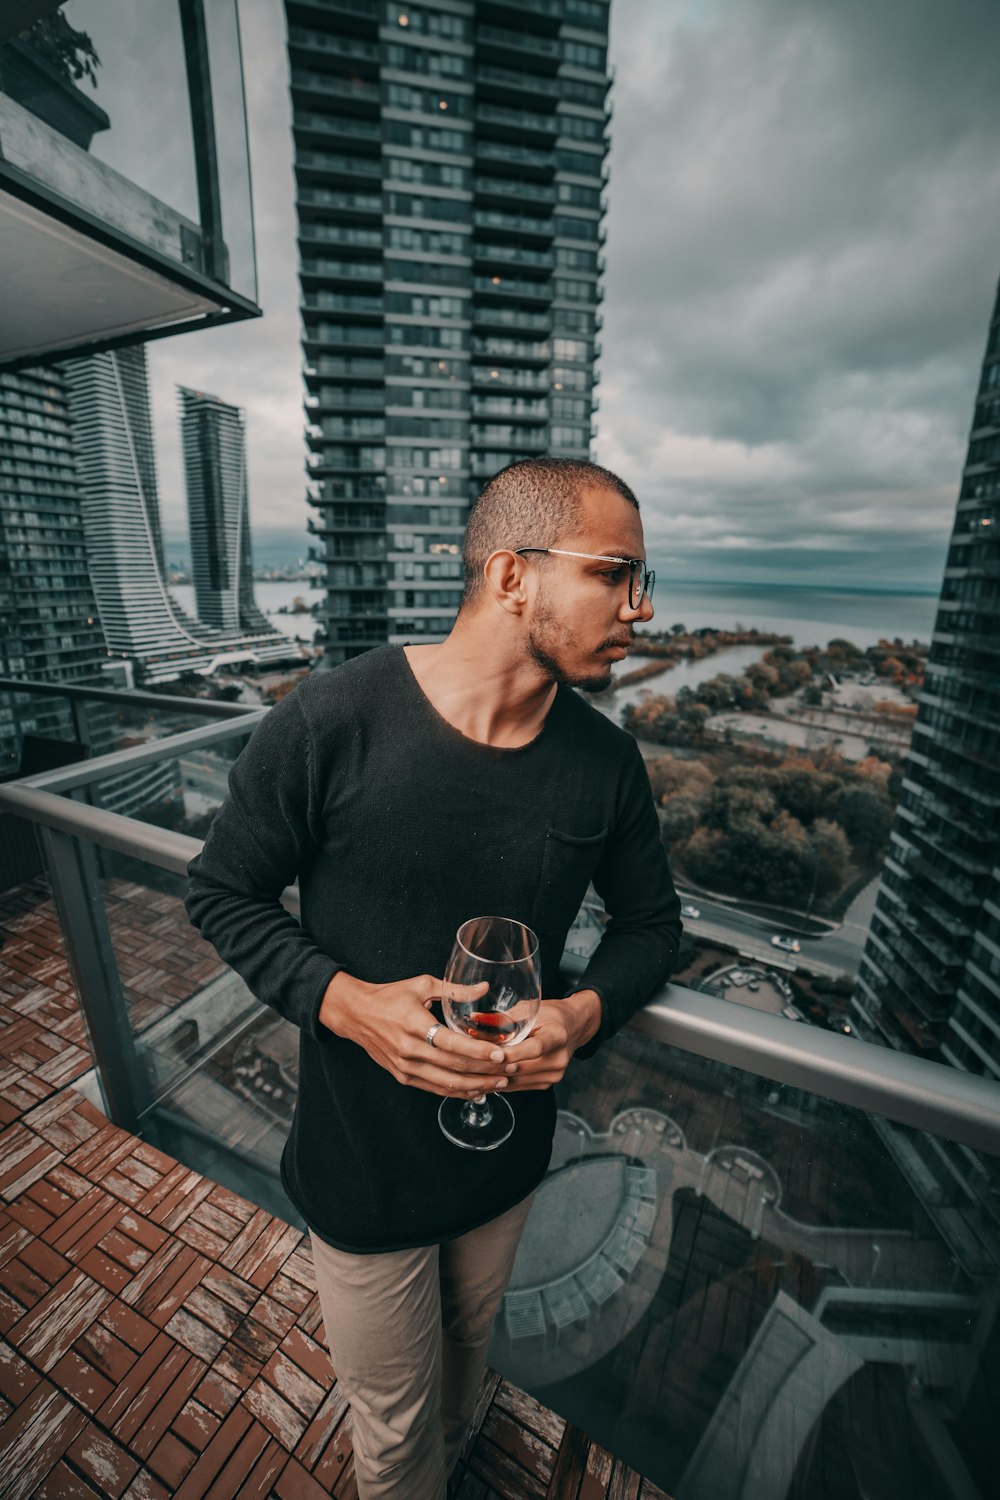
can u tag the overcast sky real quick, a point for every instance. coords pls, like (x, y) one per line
(803, 251)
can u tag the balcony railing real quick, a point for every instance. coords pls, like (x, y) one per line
(745, 1216)
(911, 1091)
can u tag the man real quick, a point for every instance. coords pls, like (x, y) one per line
(409, 790)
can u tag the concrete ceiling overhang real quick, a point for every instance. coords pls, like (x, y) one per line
(62, 289)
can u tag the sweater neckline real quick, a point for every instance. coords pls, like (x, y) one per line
(455, 737)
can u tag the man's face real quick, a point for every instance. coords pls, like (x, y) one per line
(581, 621)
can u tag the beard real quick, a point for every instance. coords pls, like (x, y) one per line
(542, 645)
(589, 682)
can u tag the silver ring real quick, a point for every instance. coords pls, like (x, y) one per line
(432, 1033)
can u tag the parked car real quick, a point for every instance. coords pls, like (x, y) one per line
(790, 944)
(688, 909)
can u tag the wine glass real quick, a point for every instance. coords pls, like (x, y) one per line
(504, 953)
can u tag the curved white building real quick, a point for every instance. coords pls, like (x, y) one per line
(109, 400)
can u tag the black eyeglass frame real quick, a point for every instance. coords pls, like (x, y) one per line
(648, 575)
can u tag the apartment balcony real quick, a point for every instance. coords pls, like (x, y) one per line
(746, 1227)
(341, 9)
(344, 90)
(503, 378)
(152, 266)
(516, 224)
(358, 49)
(516, 255)
(340, 202)
(494, 348)
(496, 316)
(332, 164)
(502, 187)
(521, 411)
(532, 12)
(520, 123)
(347, 235)
(513, 84)
(521, 439)
(347, 398)
(313, 128)
(525, 157)
(317, 336)
(504, 44)
(313, 269)
(512, 288)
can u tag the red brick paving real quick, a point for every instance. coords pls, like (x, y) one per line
(162, 1336)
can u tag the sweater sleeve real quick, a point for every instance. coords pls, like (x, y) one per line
(639, 947)
(259, 842)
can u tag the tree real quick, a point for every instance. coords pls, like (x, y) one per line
(865, 814)
(678, 819)
(668, 776)
(729, 805)
(832, 854)
(805, 792)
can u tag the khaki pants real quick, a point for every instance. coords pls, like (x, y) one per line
(408, 1333)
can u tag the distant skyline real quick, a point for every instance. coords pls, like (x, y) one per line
(802, 251)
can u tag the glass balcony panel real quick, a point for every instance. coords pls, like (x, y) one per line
(723, 1276)
(231, 142)
(118, 141)
(219, 1069)
(138, 85)
(181, 793)
(50, 718)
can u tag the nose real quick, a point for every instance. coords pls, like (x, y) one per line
(642, 612)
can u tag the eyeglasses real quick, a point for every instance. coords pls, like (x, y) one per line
(640, 578)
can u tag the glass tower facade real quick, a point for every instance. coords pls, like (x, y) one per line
(215, 469)
(449, 163)
(930, 977)
(50, 630)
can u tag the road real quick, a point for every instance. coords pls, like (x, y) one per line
(837, 952)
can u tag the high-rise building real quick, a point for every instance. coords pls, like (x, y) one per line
(930, 977)
(50, 630)
(929, 980)
(215, 469)
(449, 161)
(142, 621)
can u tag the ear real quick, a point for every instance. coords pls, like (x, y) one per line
(506, 577)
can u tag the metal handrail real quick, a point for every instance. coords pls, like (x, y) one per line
(909, 1090)
(170, 747)
(205, 708)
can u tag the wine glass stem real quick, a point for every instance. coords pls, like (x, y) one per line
(477, 1112)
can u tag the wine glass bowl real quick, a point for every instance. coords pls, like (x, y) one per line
(503, 953)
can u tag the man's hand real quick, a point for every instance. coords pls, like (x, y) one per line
(391, 1021)
(561, 1028)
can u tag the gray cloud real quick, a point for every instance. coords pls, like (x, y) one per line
(801, 265)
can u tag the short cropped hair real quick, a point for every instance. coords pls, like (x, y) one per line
(532, 503)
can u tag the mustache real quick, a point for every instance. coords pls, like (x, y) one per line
(618, 640)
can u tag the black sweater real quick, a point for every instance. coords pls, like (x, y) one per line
(399, 828)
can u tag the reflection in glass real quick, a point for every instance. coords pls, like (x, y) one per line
(743, 1289)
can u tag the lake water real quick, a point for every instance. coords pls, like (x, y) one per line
(673, 678)
(810, 616)
(270, 598)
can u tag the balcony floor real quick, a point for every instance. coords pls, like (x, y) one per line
(162, 1336)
